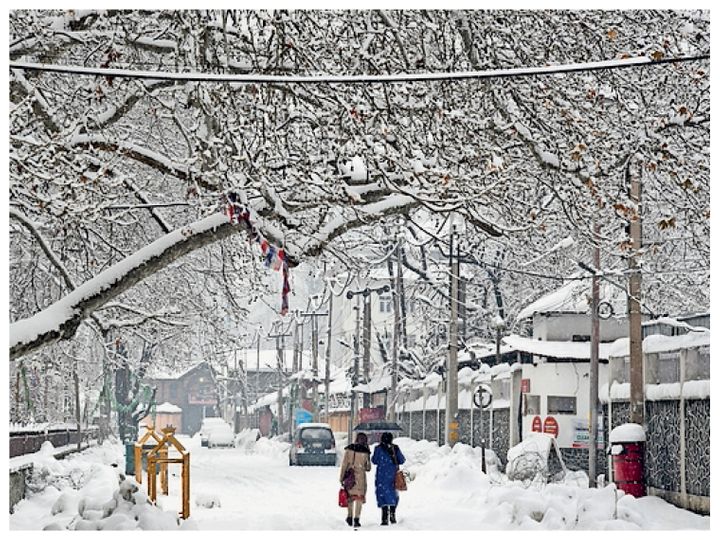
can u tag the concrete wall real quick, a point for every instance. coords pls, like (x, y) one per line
(18, 483)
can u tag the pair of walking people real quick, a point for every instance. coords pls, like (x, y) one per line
(387, 457)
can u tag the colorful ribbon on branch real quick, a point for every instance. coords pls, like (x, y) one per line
(273, 257)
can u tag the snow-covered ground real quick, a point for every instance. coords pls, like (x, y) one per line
(252, 487)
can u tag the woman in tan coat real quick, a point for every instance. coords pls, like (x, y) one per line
(357, 457)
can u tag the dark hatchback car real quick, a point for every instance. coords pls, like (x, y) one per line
(313, 444)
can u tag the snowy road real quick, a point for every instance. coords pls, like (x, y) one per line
(256, 489)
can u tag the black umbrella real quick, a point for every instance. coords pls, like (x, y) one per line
(379, 425)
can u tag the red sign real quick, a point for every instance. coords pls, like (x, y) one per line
(525, 386)
(537, 425)
(550, 426)
(372, 413)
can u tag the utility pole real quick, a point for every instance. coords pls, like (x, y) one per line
(356, 369)
(451, 403)
(295, 369)
(366, 346)
(280, 348)
(366, 292)
(327, 355)
(396, 334)
(637, 390)
(594, 358)
(257, 373)
(314, 333)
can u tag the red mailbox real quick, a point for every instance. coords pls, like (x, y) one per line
(627, 446)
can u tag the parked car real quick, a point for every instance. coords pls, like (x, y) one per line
(221, 435)
(313, 444)
(207, 426)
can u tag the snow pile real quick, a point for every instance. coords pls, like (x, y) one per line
(270, 447)
(439, 466)
(246, 438)
(207, 500)
(86, 491)
(464, 498)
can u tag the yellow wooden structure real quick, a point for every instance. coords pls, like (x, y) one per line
(150, 433)
(159, 456)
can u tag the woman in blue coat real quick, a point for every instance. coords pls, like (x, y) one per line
(387, 457)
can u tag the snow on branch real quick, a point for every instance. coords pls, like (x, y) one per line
(62, 319)
(143, 155)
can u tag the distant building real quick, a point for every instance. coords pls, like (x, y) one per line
(194, 391)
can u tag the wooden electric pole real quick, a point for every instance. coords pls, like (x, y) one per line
(594, 360)
(314, 337)
(396, 334)
(451, 404)
(327, 355)
(637, 390)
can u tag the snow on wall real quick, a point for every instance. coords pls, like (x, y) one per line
(658, 392)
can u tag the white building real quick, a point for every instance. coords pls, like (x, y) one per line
(556, 385)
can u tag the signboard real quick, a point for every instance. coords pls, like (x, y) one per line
(200, 399)
(302, 416)
(525, 386)
(581, 435)
(536, 425)
(550, 426)
(339, 401)
(372, 413)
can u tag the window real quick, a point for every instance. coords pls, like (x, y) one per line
(385, 303)
(697, 366)
(531, 404)
(668, 368)
(620, 369)
(561, 405)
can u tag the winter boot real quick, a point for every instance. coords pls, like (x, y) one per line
(349, 521)
(392, 514)
(356, 522)
(384, 515)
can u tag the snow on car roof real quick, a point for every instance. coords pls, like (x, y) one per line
(314, 425)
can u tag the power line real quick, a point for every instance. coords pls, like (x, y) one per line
(639, 61)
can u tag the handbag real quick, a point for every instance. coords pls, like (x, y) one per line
(342, 498)
(400, 483)
(348, 480)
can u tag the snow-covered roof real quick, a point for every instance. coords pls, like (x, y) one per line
(657, 343)
(378, 384)
(168, 408)
(164, 372)
(557, 349)
(483, 350)
(573, 297)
